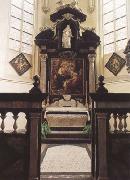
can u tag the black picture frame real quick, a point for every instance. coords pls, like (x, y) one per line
(115, 64)
(20, 64)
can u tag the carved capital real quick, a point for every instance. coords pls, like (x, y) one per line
(92, 58)
(43, 57)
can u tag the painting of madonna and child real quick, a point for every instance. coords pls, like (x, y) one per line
(66, 76)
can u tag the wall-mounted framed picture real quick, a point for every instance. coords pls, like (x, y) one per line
(20, 64)
(67, 76)
(115, 64)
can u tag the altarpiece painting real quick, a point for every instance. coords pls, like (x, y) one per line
(67, 76)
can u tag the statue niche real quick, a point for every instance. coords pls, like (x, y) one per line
(66, 37)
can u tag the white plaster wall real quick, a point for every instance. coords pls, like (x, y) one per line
(118, 87)
(10, 81)
(4, 15)
(16, 86)
(121, 82)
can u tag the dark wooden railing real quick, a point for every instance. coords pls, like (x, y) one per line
(20, 148)
(110, 135)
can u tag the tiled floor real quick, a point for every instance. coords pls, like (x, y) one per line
(65, 158)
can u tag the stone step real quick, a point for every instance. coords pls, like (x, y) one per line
(66, 140)
(65, 176)
(67, 134)
(66, 128)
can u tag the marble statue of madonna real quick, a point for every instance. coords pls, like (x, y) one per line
(66, 37)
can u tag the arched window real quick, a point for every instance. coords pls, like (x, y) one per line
(114, 25)
(21, 25)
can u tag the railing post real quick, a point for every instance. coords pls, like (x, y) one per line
(93, 154)
(102, 146)
(35, 133)
(34, 146)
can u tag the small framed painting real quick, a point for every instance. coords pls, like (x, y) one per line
(20, 64)
(115, 64)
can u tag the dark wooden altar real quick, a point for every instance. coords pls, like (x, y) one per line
(78, 49)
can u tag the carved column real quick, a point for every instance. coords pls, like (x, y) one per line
(43, 58)
(92, 73)
(102, 146)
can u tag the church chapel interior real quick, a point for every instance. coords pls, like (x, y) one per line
(65, 90)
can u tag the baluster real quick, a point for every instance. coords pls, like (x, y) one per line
(125, 123)
(15, 117)
(26, 126)
(120, 125)
(115, 122)
(3, 116)
(27, 122)
(109, 126)
(109, 118)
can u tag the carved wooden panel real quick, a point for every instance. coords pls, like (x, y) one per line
(13, 157)
(119, 161)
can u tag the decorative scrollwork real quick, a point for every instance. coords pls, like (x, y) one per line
(67, 54)
(45, 7)
(91, 6)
